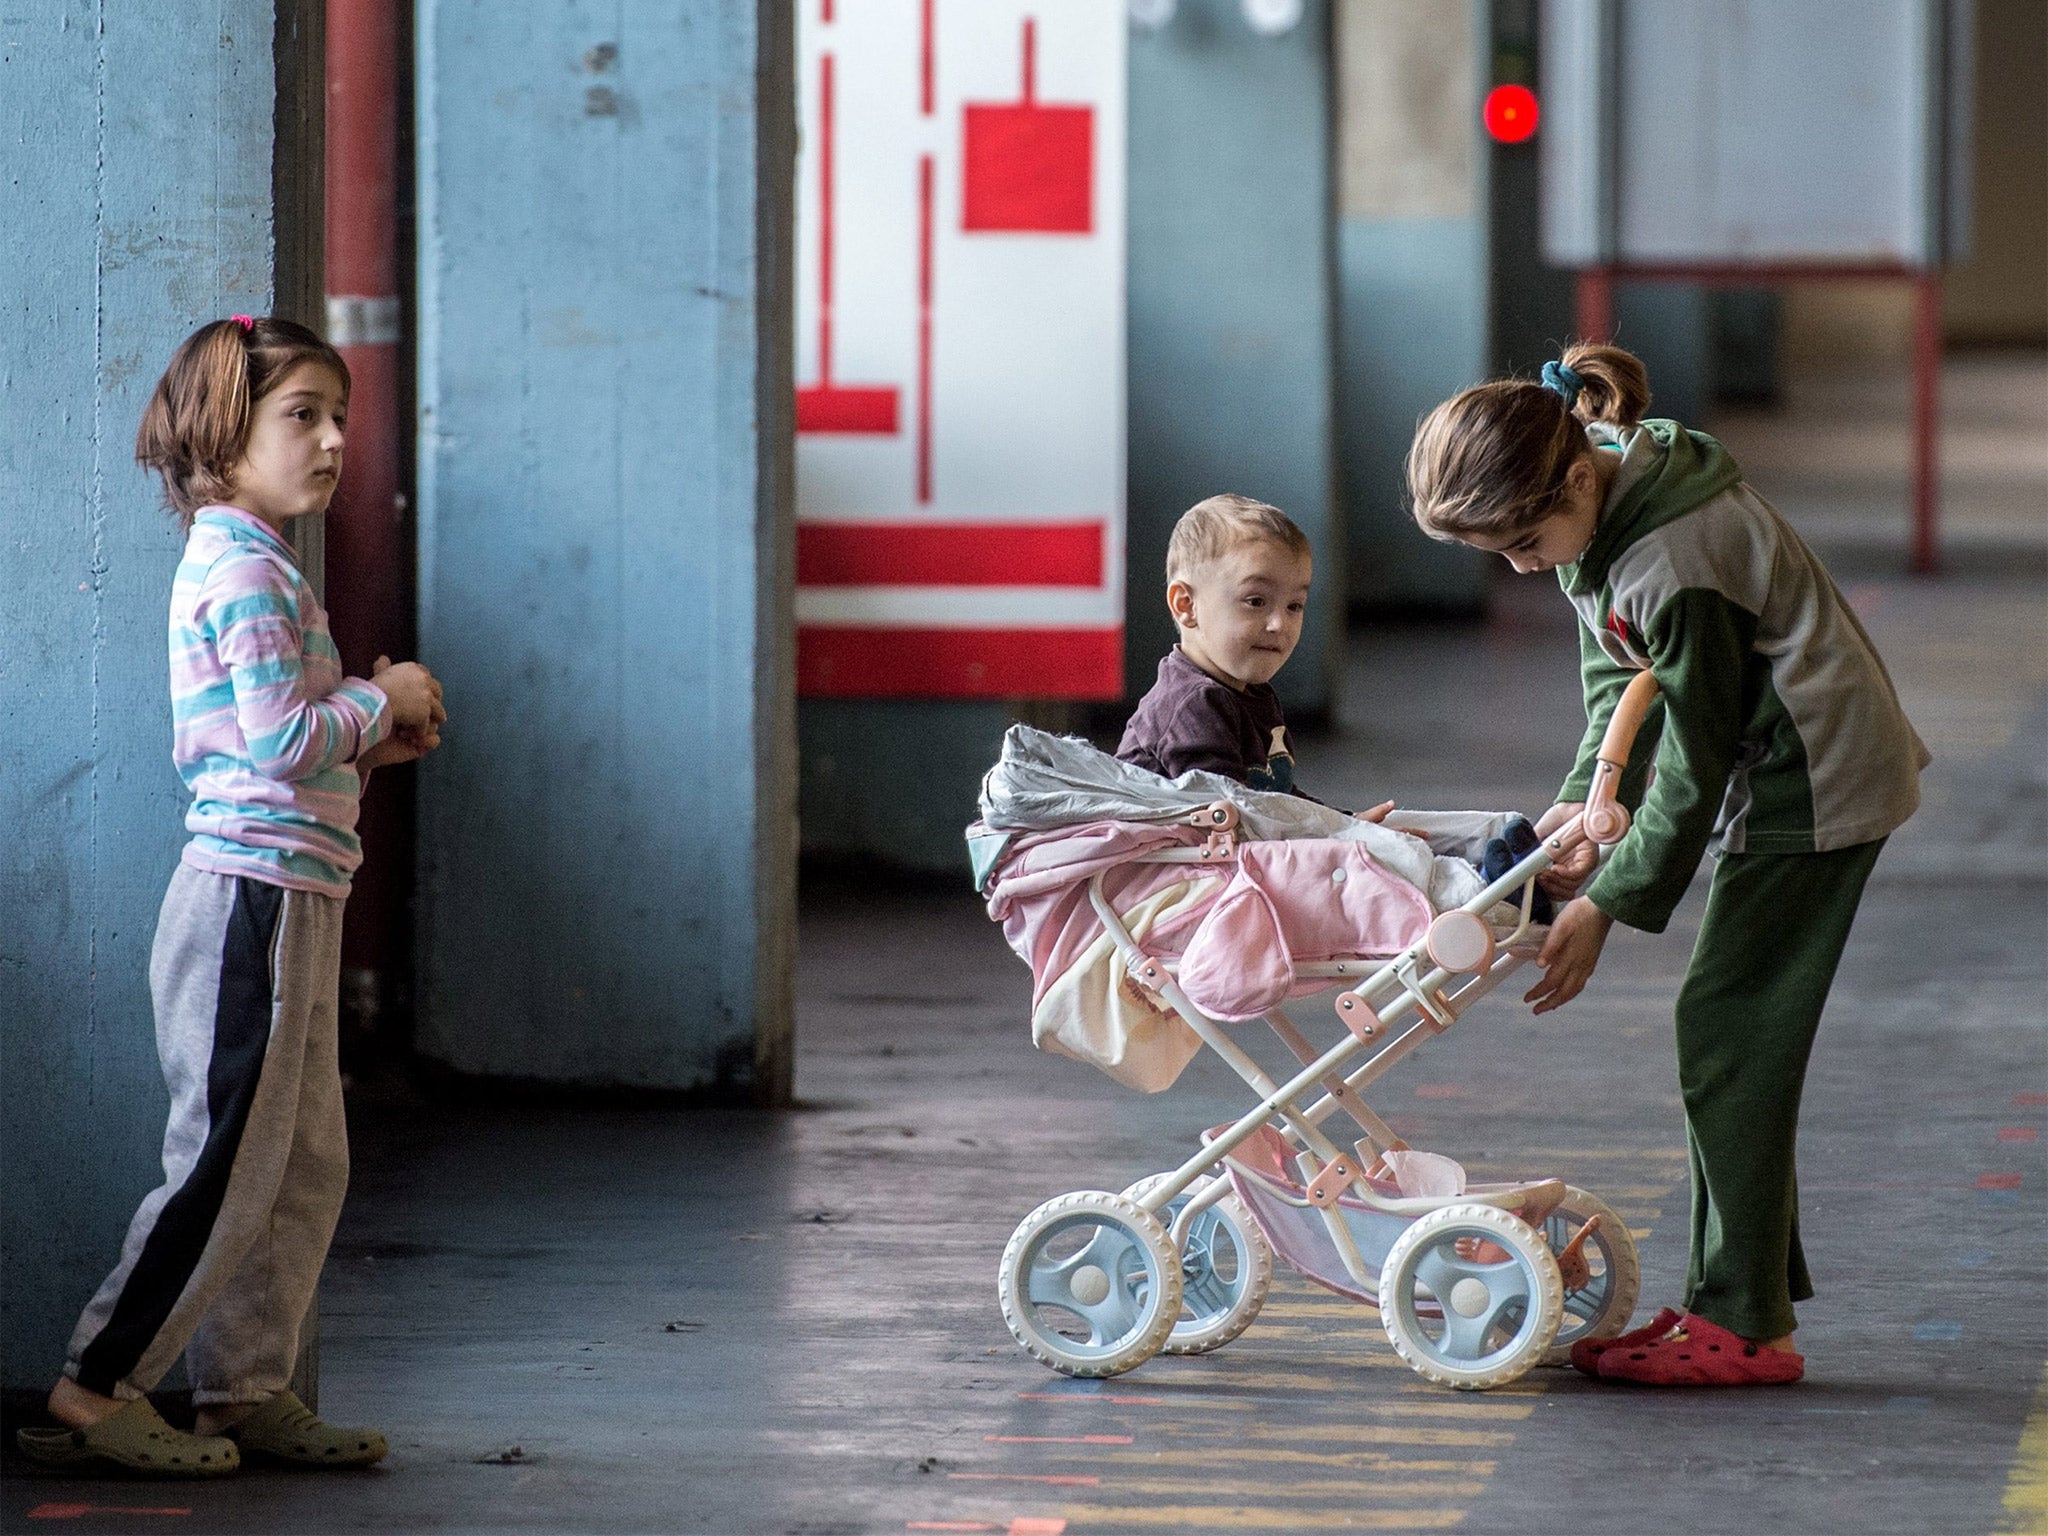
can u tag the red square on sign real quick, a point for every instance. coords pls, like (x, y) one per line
(1030, 168)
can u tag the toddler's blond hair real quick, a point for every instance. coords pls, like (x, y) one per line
(1212, 528)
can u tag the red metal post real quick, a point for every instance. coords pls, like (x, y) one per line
(369, 557)
(1926, 421)
(1594, 305)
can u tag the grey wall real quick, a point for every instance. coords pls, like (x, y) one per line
(133, 211)
(606, 888)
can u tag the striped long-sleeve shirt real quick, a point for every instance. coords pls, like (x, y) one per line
(266, 727)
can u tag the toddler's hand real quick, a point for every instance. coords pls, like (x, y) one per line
(1377, 814)
(414, 692)
(1563, 879)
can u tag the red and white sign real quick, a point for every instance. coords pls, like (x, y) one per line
(960, 349)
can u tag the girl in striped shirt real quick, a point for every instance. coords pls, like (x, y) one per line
(274, 740)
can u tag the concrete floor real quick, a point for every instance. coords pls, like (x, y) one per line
(649, 1321)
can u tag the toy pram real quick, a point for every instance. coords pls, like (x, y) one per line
(1474, 1283)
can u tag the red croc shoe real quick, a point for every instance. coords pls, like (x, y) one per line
(1701, 1354)
(1587, 1352)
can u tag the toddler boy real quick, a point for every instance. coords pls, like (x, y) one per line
(1237, 579)
(1237, 576)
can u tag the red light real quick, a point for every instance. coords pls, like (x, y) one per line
(1510, 113)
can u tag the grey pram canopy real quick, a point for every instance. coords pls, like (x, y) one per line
(1043, 782)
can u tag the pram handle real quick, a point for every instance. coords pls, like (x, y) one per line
(1605, 820)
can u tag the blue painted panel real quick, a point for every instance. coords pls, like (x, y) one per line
(1412, 333)
(1231, 299)
(134, 211)
(603, 563)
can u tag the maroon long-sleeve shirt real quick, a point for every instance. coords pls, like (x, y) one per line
(1190, 720)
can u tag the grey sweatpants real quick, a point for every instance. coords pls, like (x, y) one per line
(221, 1261)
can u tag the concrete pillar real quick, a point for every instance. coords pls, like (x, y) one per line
(1413, 276)
(138, 151)
(607, 861)
(1232, 364)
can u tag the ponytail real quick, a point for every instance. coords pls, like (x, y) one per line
(1492, 460)
(196, 426)
(1614, 387)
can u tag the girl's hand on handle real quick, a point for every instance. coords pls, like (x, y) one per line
(1377, 814)
(414, 692)
(1570, 955)
(1564, 877)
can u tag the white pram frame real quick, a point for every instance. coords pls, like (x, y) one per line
(1474, 1285)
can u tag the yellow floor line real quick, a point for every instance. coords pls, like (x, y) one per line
(1535, 1384)
(2026, 1490)
(1263, 1488)
(1440, 1403)
(1315, 1309)
(1455, 1406)
(1306, 1381)
(1217, 1517)
(1373, 1434)
(1278, 1456)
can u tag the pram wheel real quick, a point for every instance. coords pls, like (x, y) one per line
(1090, 1284)
(1224, 1272)
(1600, 1307)
(1477, 1322)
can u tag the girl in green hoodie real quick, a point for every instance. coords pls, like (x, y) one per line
(1779, 746)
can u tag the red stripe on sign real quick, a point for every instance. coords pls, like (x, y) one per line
(924, 331)
(842, 661)
(949, 554)
(846, 408)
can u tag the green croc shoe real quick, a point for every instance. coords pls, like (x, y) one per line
(134, 1438)
(285, 1429)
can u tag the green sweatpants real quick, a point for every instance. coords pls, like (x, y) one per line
(1747, 1013)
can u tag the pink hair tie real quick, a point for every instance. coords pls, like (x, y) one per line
(244, 322)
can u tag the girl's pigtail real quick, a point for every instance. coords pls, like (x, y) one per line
(1614, 387)
(197, 421)
(222, 420)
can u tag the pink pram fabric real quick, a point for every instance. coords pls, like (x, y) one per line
(1312, 899)
(1238, 925)
(1040, 891)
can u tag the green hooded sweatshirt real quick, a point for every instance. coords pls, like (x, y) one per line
(1779, 729)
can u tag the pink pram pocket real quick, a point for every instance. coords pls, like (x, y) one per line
(1305, 900)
